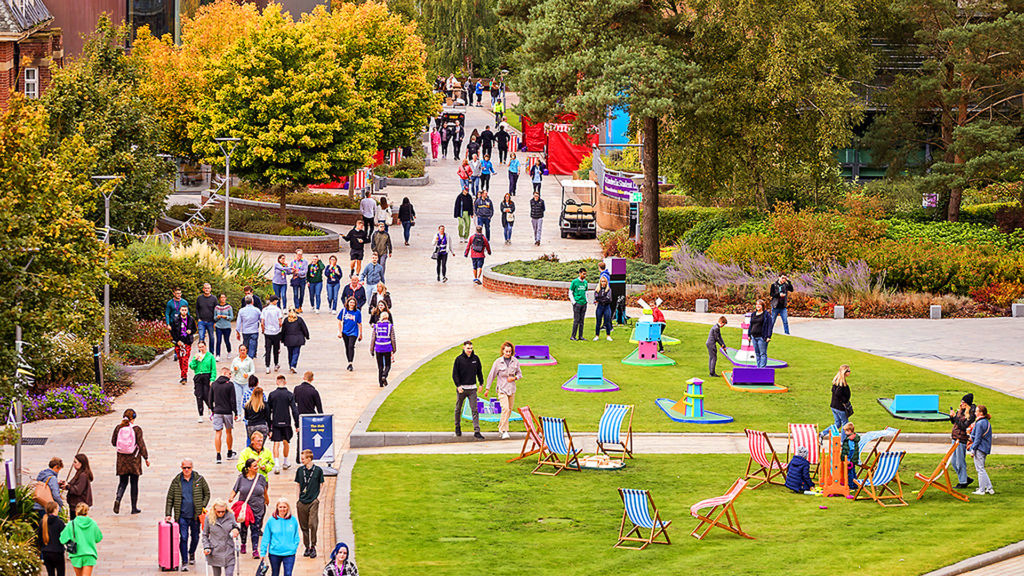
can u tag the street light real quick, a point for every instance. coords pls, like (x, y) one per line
(18, 408)
(100, 181)
(174, 181)
(227, 188)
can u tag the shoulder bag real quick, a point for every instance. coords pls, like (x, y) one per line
(71, 546)
(243, 512)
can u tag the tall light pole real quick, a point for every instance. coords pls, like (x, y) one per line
(18, 408)
(227, 188)
(100, 181)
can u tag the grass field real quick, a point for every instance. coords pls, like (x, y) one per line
(425, 400)
(472, 514)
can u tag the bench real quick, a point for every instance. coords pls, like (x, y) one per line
(540, 352)
(590, 374)
(915, 403)
(743, 375)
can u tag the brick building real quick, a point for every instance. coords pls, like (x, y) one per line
(29, 49)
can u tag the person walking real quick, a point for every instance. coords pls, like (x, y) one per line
(183, 329)
(225, 412)
(475, 164)
(187, 497)
(310, 478)
(357, 239)
(467, 373)
(384, 347)
(505, 372)
(257, 449)
(282, 272)
(380, 294)
(257, 416)
(499, 111)
(206, 304)
(486, 169)
(294, 335)
(315, 279)
(478, 248)
(458, 135)
(384, 214)
(368, 210)
(495, 92)
(442, 248)
(435, 142)
(715, 342)
(271, 320)
(484, 209)
(223, 314)
(513, 172)
(247, 329)
(307, 398)
(204, 370)
(603, 299)
(501, 139)
(373, 272)
(241, 369)
(486, 142)
(537, 176)
(86, 534)
(173, 307)
(80, 485)
(779, 293)
(283, 411)
(219, 533)
(407, 216)
(50, 528)
(962, 421)
(131, 451)
(508, 216)
(350, 328)
(48, 476)
(537, 216)
(382, 248)
(341, 563)
(578, 296)
(760, 332)
(281, 539)
(464, 213)
(354, 290)
(840, 402)
(332, 280)
(446, 137)
(252, 507)
(479, 93)
(298, 282)
(981, 447)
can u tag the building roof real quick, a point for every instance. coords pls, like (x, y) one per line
(19, 18)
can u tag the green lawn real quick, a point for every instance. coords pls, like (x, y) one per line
(424, 401)
(474, 514)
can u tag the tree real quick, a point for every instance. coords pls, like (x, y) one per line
(965, 101)
(587, 56)
(43, 218)
(464, 35)
(97, 98)
(290, 99)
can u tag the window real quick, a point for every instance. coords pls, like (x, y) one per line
(32, 83)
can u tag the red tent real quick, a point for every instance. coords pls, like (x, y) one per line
(564, 155)
(533, 135)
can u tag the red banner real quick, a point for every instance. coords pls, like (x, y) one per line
(564, 156)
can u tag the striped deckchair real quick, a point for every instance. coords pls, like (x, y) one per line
(881, 476)
(609, 431)
(534, 440)
(876, 436)
(724, 506)
(637, 505)
(805, 435)
(558, 449)
(763, 455)
(941, 471)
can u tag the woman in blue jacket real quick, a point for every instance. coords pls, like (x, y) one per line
(486, 169)
(281, 539)
(981, 447)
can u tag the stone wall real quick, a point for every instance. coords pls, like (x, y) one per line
(311, 213)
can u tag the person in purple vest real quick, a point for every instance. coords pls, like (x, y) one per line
(384, 346)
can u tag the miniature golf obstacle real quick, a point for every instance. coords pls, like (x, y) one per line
(646, 313)
(534, 355)
(488, 410)
(747, 379)
(919, 407)
(834, 476)
(646, 354)
(589, 378)
(745, 355)
(665, 340)
(690, 408)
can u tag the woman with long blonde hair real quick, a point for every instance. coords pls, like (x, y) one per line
(257, 414)
(219, 533)
(294, 334)
(841, 407)
(84, 532)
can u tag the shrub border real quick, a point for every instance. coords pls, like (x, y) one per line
(266, 242)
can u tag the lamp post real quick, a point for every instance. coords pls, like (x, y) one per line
(18, 408)
(100, 181)
(227, 188)
(504, 101)
(174, 181)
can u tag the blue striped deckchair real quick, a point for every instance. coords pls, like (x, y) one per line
(609, 431)
(876, 436)
(877, 486)
(637, 505)
(558, 449)
(724, 505)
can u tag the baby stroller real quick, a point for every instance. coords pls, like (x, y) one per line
(621, 317)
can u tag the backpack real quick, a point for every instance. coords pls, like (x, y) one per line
(478, 243)
(126, 440)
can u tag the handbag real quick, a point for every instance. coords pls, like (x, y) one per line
(848, 408)
(262, 569)
(71, 546)
(241, 509)
(42, 494)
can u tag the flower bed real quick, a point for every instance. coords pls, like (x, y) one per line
(312, 199)
(251, 221)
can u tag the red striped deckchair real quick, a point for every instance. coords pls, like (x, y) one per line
(724, 506)
(805, 435)
(534, 440)
(763, 455)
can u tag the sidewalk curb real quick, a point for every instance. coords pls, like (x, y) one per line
(981, 560)
(343, 531)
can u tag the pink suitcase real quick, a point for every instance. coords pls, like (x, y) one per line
(169, 557)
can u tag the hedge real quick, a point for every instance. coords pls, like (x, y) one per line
(984, 213)
(673, 223)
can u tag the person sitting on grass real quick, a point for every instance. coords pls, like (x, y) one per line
(798, 473)
(851, 452)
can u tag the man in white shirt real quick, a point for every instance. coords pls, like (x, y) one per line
(368, 209)
(270, 321)
(241, 368)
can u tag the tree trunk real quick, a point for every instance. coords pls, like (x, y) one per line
(282, 194)
(652, 248)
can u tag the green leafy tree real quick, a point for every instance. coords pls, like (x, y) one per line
(965, 101)
(96, 97)
(465, 35)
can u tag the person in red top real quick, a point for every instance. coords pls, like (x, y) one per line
(477, 247)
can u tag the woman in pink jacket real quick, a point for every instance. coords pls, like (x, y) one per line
(505, 372)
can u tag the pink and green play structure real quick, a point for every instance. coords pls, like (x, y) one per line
(589, 378)
(690, 409)
(647, 335)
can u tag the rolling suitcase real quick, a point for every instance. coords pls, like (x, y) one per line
(168, 555)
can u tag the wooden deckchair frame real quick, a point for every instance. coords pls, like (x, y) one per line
(725, 509)
(548, 458)
(627, 447)
(659, 528)
(763, 473)
(872, 456)
(942, 470)
(816, 450)
(534, 435)
(884, 492)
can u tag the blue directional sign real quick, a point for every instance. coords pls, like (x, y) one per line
(316, 433)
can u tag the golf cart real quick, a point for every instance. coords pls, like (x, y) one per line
(579, 209)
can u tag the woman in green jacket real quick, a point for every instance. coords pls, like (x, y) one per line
(84, 532)
(204, 366)
(315, 278)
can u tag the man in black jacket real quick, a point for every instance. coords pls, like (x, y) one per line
(283, 411)
(307, 399)
(205, 304)
(501, 139)
(224, 409)
(467, 374)
(487, 141)
(780, 294)
(256, 301)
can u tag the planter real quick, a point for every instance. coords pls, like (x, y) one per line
(141, 367)
(265, 242)
(538, 289)
(311, 213)
(421, 181)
